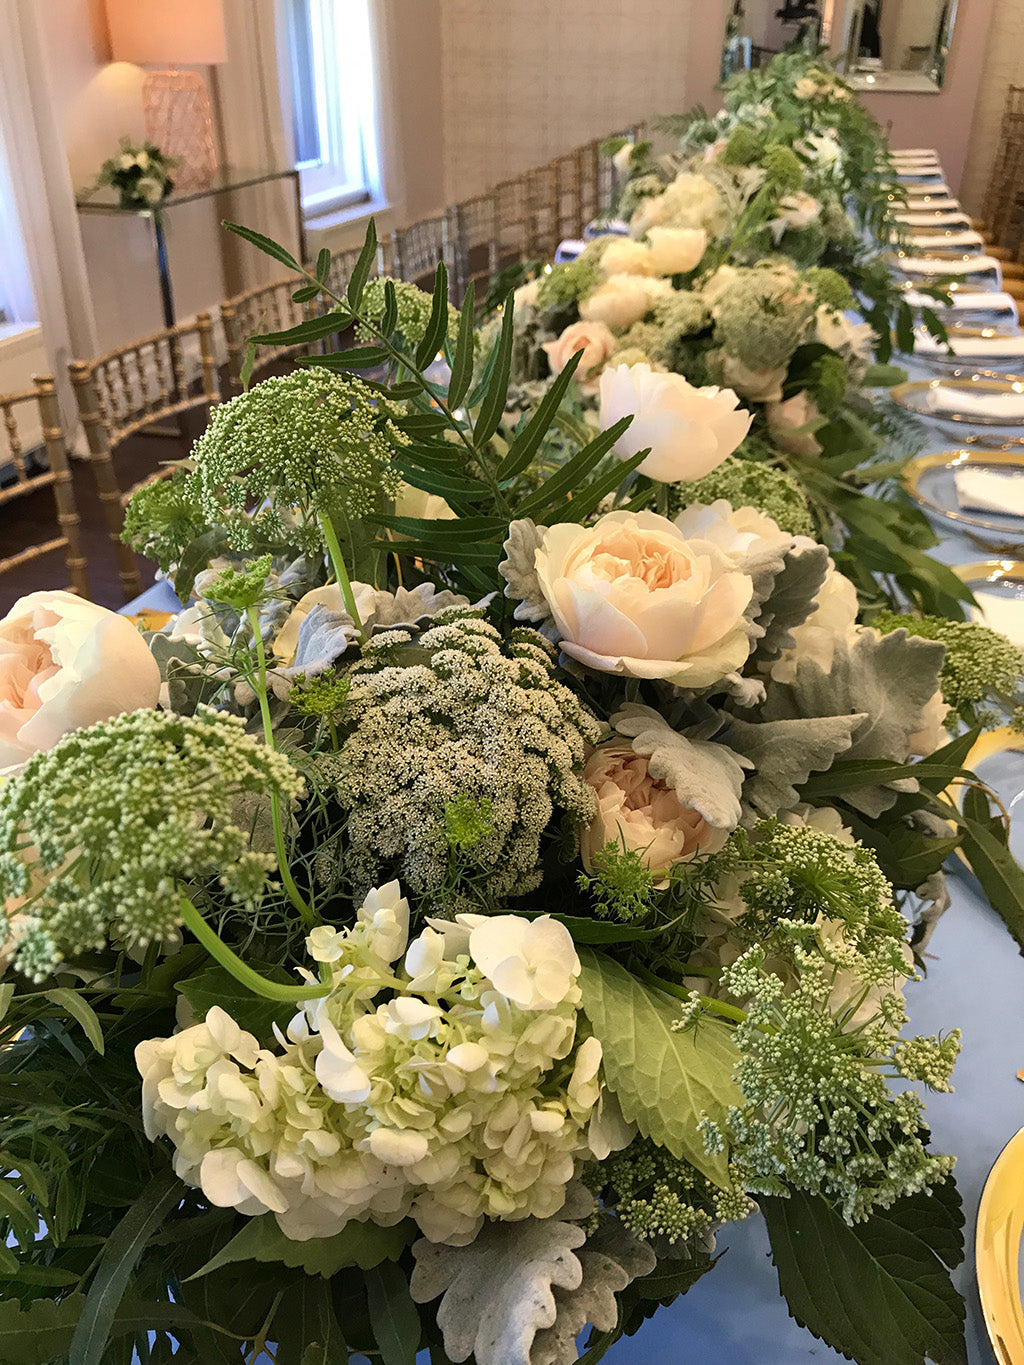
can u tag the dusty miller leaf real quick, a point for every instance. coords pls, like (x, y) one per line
(664, 1080)
(879, 1291)
(500, 1290)
(519, 571)
(793, 596)
(784, 753)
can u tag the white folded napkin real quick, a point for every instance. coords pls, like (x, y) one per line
(979, 347)
(913, 151)
(972, 265)
(615, 227)
(930, 241)
(568, 249)
(966, 301)
(949, 218)
(1004, 405)
(940, 203)
(921, 189)
(912, 175)
(1005, 614)
(990, 490)
(910, 164)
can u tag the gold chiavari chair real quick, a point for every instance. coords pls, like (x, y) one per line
(473, 239)
(267, 308)
(512, 221)
(132, 388)
(419, 247)
(569, 194)
(542, 198)
(24, 476)
(589, 156)
(1001, 210)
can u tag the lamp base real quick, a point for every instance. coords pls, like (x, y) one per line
(176, 109)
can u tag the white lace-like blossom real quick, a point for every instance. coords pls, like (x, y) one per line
(450, 1090)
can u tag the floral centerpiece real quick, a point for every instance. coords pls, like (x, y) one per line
(140, 173)
(457, 914)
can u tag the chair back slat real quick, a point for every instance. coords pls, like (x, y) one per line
(51, 471)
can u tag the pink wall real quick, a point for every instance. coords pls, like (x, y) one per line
(941, 120)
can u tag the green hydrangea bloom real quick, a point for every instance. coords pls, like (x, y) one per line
(829, 288)
(570, 282)
(311, 444)
(784, 168)
(763, 315)
(749, 483)
(744, 147)
(99, 832)
(828, 382)
(162, 519)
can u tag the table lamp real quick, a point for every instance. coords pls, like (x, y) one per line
(176, 104)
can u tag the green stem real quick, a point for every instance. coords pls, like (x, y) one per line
(341, 573)
(681, 993)
(287, 880)
(241, 971)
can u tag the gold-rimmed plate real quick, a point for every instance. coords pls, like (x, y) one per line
(919, 397)
(931, 482)
(997, 1252)
(998, 587)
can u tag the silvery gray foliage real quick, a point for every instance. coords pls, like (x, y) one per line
(411, 609)
(936, 899)
(783, 754)
(522, 1292)
(519, 571)
(707, 776)
(887, 680)
(792, 598)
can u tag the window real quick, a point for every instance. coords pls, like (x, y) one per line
(16, 301)
(330, 59)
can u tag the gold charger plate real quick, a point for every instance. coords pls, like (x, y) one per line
(914, 397)
(930, 481)
(996, 1250)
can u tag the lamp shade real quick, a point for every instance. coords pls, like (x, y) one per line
(157, 32)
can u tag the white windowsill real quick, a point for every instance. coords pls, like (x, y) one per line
(348, 225)
(15, 336)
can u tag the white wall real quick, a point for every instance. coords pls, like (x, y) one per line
(1004, 66)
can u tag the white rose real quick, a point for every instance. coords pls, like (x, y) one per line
(806, 88)
(632, 595)
(690, 431)
(821, 148)
(149, 189)
(735, 530)
(142, 160)
(786, 423)
(526, 295)
(623, 256)
(759, 386)
(692, 201)
(126, 161)
(675, 251)
(649, 212)
(66, 663)
(623, 300)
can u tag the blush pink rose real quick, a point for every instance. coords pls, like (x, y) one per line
(594, 339)
(66, 663)
(641, 814)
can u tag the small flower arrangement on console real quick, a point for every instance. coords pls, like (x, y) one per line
(141, 174)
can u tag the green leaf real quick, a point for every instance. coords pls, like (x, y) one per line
(572, 473)
(39, 1334)
(582, 503)
(1000, 875)
(265, 244)
(396, 1323)
(446, 485)
(6, 996)
(880, 1291)
(361, 270)
(664, 1080)
(248, 365)
(452, 533)
(493, 406)
(437, 327)
(197, 555)
(80, 1010)
(313, 329)
(119, 1258)
(360, 1244)
(17, 1210)
(527, 442)
(462, 360)
(216, 986)
(355, 358)
(306, 1326)
(307, 292)
(389, 320)
(323, 265)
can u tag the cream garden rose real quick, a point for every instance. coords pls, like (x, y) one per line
(690, 431)
(66, 663)
(675, 251)
(622, 300)
(632, 595)
(641, 814)
(592, 338)
(623, 256)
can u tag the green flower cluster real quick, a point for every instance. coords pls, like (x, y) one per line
(763, 314)
(460, 716)
(414, 308)
(784, 168)
(313, 442)
(161, 519)
(570, 282)
(749, 483)
(98, 833)
(639, 188)
(744, 147)
(981, 665)
(663, 1198)
(829, 288)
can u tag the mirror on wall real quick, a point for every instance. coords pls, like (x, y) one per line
(900, 45)
(756, 30)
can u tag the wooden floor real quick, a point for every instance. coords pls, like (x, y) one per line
(30, 520)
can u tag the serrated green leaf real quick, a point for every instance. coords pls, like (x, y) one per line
(39, 1334)
(437, 326)
(361, 270)
(323, 265)
(493, 405)
(664, 1080)
(81, 1011)
(119, 1258)
(396, 1323)
(879, 1292)
(215, 986)
(265, 244)
(527, 442)
(462, 360)
(358, 1244)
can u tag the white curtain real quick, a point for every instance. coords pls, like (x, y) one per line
(41, 195)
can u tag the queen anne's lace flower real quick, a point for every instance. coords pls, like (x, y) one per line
(462, 1096)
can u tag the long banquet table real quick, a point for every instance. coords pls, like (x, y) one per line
(975, 981)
